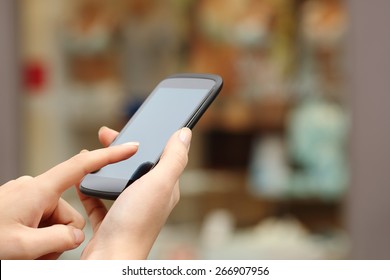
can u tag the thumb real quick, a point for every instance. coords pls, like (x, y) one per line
(175, 157)
(52, 239)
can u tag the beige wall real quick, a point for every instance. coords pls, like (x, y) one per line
(368, 204)
(9, 94)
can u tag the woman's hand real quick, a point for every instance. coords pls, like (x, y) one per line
(34, 221)
(129, 229)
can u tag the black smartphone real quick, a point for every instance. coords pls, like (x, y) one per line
(177, 101)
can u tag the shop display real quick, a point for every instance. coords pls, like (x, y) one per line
(90, 54)
(322, 29)
(269, 173)
(248, 42)
(272, 238)
(152, 42)
(317, 143)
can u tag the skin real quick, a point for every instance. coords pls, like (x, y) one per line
(129, 229)
(37, 223)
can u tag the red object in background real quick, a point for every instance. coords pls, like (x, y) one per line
(35, 75)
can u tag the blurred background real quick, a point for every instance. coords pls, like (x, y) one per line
(276, 170)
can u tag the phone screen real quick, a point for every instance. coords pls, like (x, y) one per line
(166, 111)
(175, 103)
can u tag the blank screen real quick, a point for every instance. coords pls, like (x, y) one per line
(163, 113)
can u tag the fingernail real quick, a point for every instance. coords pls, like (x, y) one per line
(78, 235)
(100, 129)
(131, 144)
(185, 136)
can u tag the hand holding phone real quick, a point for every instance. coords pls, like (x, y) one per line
(178, 101)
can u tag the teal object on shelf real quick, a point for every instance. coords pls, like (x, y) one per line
(317, 137)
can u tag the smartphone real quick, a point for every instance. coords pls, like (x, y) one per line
(178, 101)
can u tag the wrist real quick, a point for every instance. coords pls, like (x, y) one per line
(116, 251)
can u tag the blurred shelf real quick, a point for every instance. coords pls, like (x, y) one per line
(239, 116)
(205, 190)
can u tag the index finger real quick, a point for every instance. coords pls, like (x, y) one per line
(70, 172)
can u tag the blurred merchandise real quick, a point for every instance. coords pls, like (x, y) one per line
(273, 238)
(248, 42)
(217, 230)
(314, 165)
(281, 239)
(82, 104)
(269, 170)
(322, 30)
(92, 93)
(35, 76)
(151, 48)
(317, 142)
(90, 42)
(324, 23)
